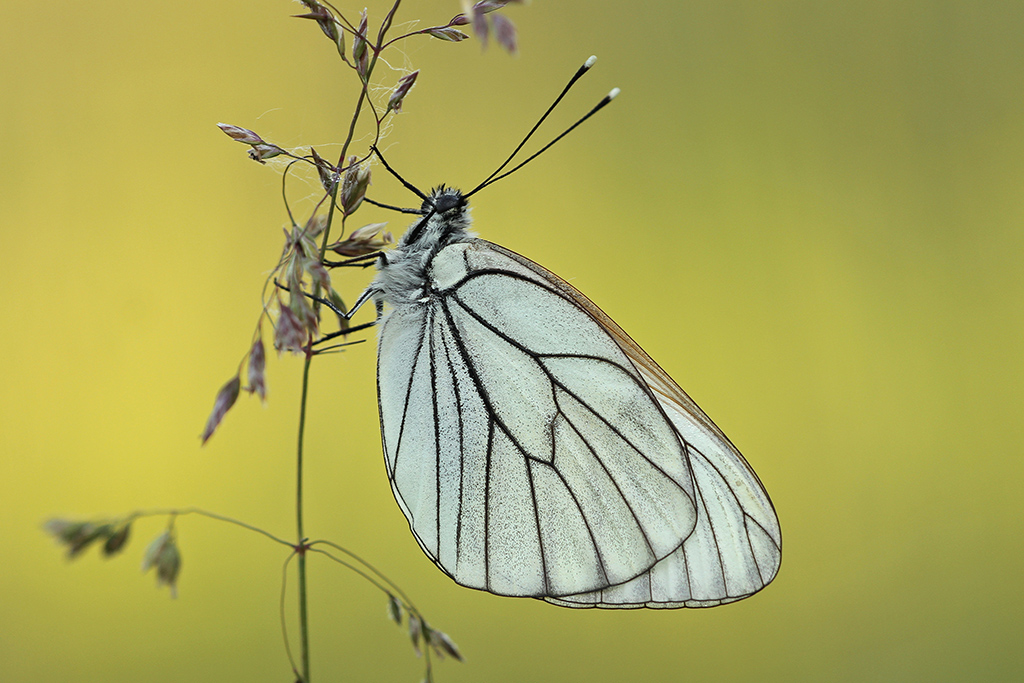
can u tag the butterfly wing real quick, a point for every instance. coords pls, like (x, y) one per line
(735, 549)
(515, 475)
(518, 477)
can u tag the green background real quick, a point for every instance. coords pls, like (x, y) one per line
(809, 213)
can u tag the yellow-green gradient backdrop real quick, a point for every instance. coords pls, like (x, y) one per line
(809, 213)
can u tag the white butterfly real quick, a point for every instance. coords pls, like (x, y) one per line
(537, 450)
(534, 447)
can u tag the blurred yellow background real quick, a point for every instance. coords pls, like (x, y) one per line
(809, 213)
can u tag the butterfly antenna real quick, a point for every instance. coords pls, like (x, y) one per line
(607, 98)
(408, 185)
(572, 81)
(494, 177)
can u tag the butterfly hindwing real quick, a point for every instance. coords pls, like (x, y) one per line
(736, 546)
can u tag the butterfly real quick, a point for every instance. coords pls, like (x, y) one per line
(536, 450)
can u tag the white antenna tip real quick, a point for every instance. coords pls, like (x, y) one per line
(613, 94)
(590, 62)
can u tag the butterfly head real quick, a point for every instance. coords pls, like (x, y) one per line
(446, 220)
(444, 201)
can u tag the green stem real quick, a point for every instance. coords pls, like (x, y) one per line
(301, 541)
(303, 614)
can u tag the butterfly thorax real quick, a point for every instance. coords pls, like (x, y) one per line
(402, 278)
